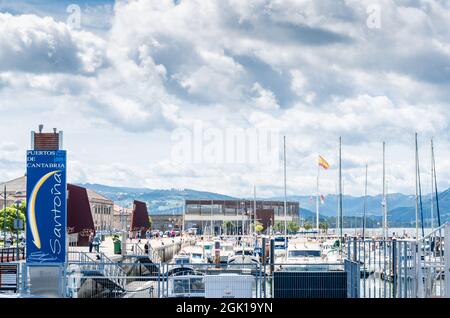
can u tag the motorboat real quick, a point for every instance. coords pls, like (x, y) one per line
(226, 251)
(196, 255)
(191, 255)
(280, 246)
(244, 256)
(186, 285)
(305, 256)
(330, 250)
(207, 249)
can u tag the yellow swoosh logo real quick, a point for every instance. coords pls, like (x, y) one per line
(32, 208)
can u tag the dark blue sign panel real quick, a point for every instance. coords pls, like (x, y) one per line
(46, 206)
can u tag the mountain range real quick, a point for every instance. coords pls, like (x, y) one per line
(401, 207)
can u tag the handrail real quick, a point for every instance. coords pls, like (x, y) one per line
(439, 229)
(106, 266)
(9, 254)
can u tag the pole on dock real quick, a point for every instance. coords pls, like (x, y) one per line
(253, 223)
(263, 248)
(447, 260)
(394, 267)
(272, 255)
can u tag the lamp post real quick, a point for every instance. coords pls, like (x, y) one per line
(121, 220)
(242, 218)
(4, 216)
(101, 218)
(17, 202)
(93, 208)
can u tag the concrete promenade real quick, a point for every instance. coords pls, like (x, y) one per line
(107, 247)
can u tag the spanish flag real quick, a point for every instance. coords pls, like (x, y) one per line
(323, 163)
(322, 199)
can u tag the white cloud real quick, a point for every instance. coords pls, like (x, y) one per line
(38, 45)
(264, 98)
(311, 69)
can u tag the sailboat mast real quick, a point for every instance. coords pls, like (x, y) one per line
(387, 209)
(285, 195)
(211, 225)
(254, 210)
(432, 189)
(337, 206)
(317, 200)
(341, 219)
(418, 194)
(417, 189)
(365, 206)
(384, 193)
(435, 184)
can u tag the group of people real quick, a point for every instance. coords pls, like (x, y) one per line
(95, 241)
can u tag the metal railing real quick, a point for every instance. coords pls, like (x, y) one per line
(103, 266)
(103, 287)
(398, 268)
(9, 254)
(216, 281)
(432, 263)
(371, 269)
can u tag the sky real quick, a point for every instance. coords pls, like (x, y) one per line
(171, 94)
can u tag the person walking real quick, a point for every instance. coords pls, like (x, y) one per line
(91, 242)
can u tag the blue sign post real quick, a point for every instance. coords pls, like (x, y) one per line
(46, 206)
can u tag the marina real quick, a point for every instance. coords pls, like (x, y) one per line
(235, 268)
(230, 151)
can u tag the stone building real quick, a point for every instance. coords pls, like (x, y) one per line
(121, 218)
(102, 211)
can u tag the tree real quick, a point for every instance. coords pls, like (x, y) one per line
(293, 226)
(11, 214)
(279, 226)
(150, 221)
(259, 227)
(307, 226)
(324, 226)
(227, 226)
